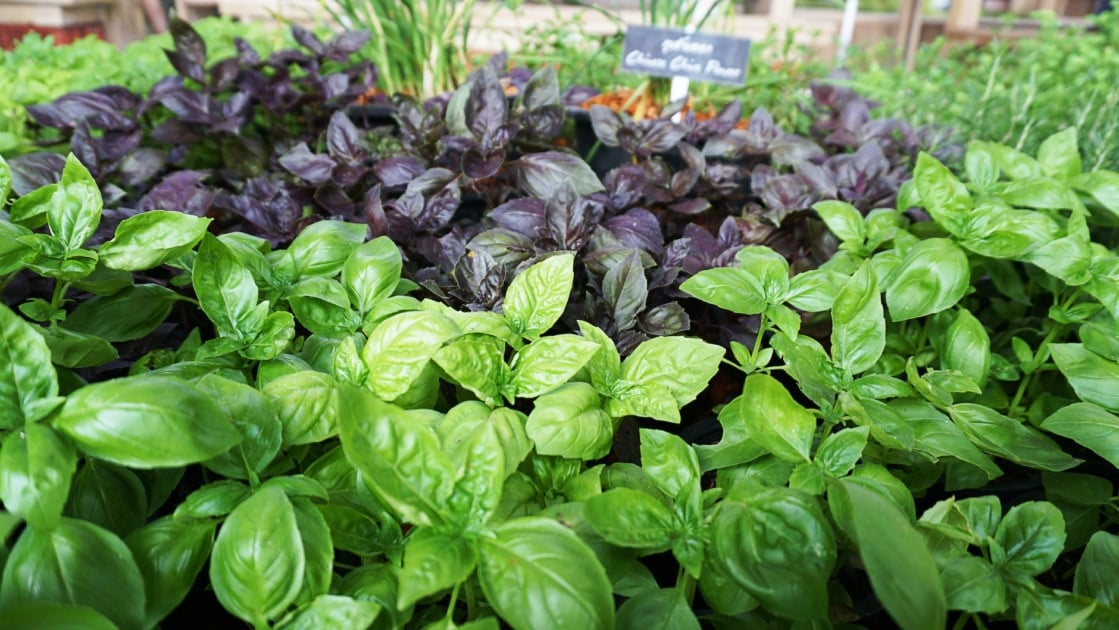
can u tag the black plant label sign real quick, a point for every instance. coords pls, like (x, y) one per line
(674, 52)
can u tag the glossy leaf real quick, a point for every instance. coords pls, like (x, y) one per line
(843, 220)
(1089, 426)
(322, 248)
(170, 555)
(26, 373)
(541, 174)
(226, 290)
(399, 349)
(1009, 438)
(662, 609)
(840, 451)
(549, 362)
(109, 496)
(678, 366)
(371, 273)
(858, 324)
(476, 362)
(54, 616)
(966, 347)
(146, 422)
(322, 307)
(129, 314)
(254, 416)
(1095, 573)
(257, 565)
(775, 420)
(1059, 155)
(729, 288)
(972, 584)
(36, 469)
(945, 198)
(538, 295)
(1030, 537)
(317, 545)
(149, 239)
(75, 207)
(670, 462)
(570, 422)
(434, 562)
(932, 277)
(334, 611)
(629, 518)
(1095, 379)
(307, 405)
(537, 573)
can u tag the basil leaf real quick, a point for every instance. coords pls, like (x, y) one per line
(76, 563)
(146, 422)
(149, 239)
(1009, 438)
(1096, 571)
(1087, 425)
(1030, 537)
(682, 366)
(226, 291)
(537, 573)
(434, 562)
(254, 416)
(858, 325)
(257, 564)
(1095, 379)
(901, 569)
(170, 554)
(75, 207)
(629, 518)
(54, 616)
(399, 349)
(334, 611)
(1059, 156)
(371, 273)
(936, 436)
(570, 422)
(398, 457)
(730, 288)
(318, 548)
(36, 469)
(542, 174)
(972, 584)
(109, 496)
(549, 362)
(538, 295)
(932, 277)
(664, 608)
(669, 461)
(77, 350)
(323, 307)
(276, 333)
(605, 365)
(840, 451)
(480, 471)
(26, 373)
(5, 180)
(789, 580)
(945, 198)
(966, 347)
(129, 314)
(815, 290)
(477, 362)
(775, 420)
(322, 248)
(307, 405)
(213, 500)
(843, 220)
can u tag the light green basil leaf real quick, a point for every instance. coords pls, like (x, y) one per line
(1009, 438)
(399, 457)
(274, 337)
(322, 306)
(307, 405)
(1030, 537)
(605, 365)
(536, 573)
(549, 362)
(628, 518)
(815, 290)
(880, 387)
(670, 462)
(353, 531)
(129, 314)
(213, 500)
(809, 365)
(36, 468)
(146, 422)
(839, 452)
(1096, 571)
(966, 347)
(371, 273)
(1095, 379)
(149, 239)
(972, 584)
(769, 267)
(257, 564)
(77, 350)
(480, 471)
(254, 416)
(376, 583)
(998, 231)
(76, 563)
(1101, 186)
(318, 548)
(476, 362)
(55, 616)
(843, 220)
(538, 295)
(737, 446)
(1068, 258)
(5, 180)
(902, 572)
(30, 210)
(1043, 193)
(226, 290)
(858, 324)
(945, 198)
(570, 422)
(936, 436)
(400, 347)
(730, 288)
(333, 611)
(170, 554)
(109, 496)
(775, 420)
(14, 254)
(322, 248)
(434, 562)
(886, 427)
(661, 609)
(75, 207)
(26, 373)
(1059, 155)
(1087, 425)
(979, 164)
(681, 366)
(790, 580)
(932, 277)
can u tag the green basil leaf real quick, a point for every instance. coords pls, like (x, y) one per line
(902, 572)
(843, 220)
(399, 349)
(982, 173)
(30, 210)
(318, 549)
(537, 573)
(54, 616)
(400, 458)
(681, 366)
(434, 562)
(77, 350)
(790, 580)
(570, 422)
(858, 324)
(213, 500)
(257, 564)
(109, 496)
(322, 248)
(815, 290)
(1068, 258)
(322, 306)
(549, 362)
(26, 373)
(1059, 156)
(932, 277)
(480, 471)
(775, 420)
(999, 231)
(36, 469)
(5, 180)
(477, 362)
(371, 273)
(146, 422)
(1087, 425)
(376, 583)
(1101, 186)
(1009, 438)
(75, 207)
(1096, 571)
(730, 288)
(1095, 379)
(333, 611)
(76, 563)
(254, 416)
(972, 584)
(149, 239)
(1044, 193)
(170, 554)
(660, 609)
(840, 451)
(966, 347)
(14, 253)
(352, 530)
(605, 366)
(132, 313)
(936, 436)
(945, 198)
(886, 426)
(737, 445)
(1030, 537)
(308, 406)
(628, 518)
(226, 290)
(276, 333)
(538, 295)
(670, 462)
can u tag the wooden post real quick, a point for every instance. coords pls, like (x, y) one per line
(963, 17)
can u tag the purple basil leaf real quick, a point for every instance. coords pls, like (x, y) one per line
(791, 149)
(309, 167)
(188, 43)
(308, 40)
(375, 212)
(346, 175)
(340, 48)
(542, 89)
(334, 201)
(524, 216)
(181, 191)
(113, 145)
(719, 124)
(32, 171)
(505, 246)
(246, 54)
(761, 132)
(575, 95)
(819, 181)
(626, 289)
(82, 146)
(185, 67)
(486, 107)
(570, 217)
(100, 111)
(335, 85)
(666, 319)
(637, 228)
(397, 172)
(440, 208)
(141, 166)
(606, 123)
(624, 186)
(187, 104)
(475, 165)
(541, 174)
(481, 277)
(343, 140)
(544, 122)
(690, 207)
(175, 131)
(224, 73)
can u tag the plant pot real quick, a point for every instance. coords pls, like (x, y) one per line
(601, 158)
(372, 115)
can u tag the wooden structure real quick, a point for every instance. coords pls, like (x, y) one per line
(119, 21)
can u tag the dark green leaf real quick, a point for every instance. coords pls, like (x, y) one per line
(129, 314)
(36, 468)
(966, 347)
(149, 239)
(1030, 538)
(1087, 425)
(109, 496)
(839, 452)
(858, 324)
(570, 422)
(971, 584)
(170, 555)
(538, 574)
(26, 373)
(77, 350)
(213, 500)
(334, 611)
(1009, 438)
(538, 295)
(258, 564)
(54, 616)
(662, 609)
(1095, 379)
(628, 518)
(936, 436)
(434, 562)
(1096, 571)
(254, 416)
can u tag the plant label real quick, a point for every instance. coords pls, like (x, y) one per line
(674, 52)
